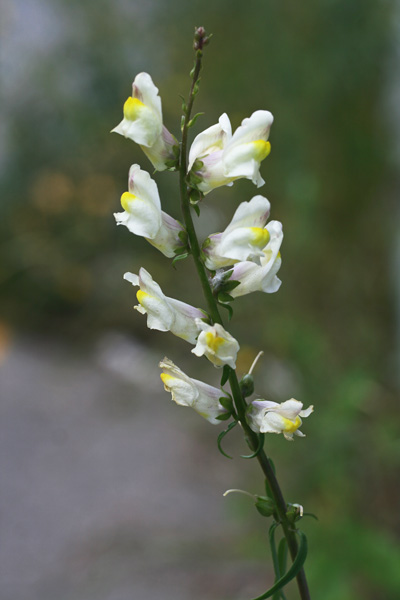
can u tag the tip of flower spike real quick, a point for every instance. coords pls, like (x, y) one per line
(200, 38)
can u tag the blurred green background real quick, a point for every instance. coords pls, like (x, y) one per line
(327, 70)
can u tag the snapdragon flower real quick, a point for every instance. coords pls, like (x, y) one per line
(216, 344)
(265, 416)
(143, 215)
(185, 391)
(163, 313)
(243, 239)
(218, 158)
(261, 277)
(143, 123)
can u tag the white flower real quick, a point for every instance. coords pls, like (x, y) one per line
(218, 158)
(270, 417)
(260, 277)
(243, 239)
(185, 391)
(163, 313)
(143, 215)
(143, 123)
(216, 344)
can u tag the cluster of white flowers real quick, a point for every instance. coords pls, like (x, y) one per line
(246, 254)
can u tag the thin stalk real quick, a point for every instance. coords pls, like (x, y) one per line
(240, 403)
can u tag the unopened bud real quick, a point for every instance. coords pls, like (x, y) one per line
(265, 506)
(247, 385)
(200, 38)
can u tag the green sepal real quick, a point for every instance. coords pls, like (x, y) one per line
(193, 121)
(182, 122)
(226, 371)
(171, 164)
(176, 150)
(230, 285)
(179, 257)
(292, 572)
(224, 416)
(265, 506)
(194, 179)
(222, 435)
(226, 402)
(196, 209)
(224, 298)
(183, 236)
(195, 196)
(258, 449)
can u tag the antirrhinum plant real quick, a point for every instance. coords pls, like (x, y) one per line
(244, 258)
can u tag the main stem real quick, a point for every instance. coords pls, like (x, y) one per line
(240, 403)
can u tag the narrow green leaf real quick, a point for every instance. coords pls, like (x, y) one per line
(229, 309)
(196, 209)
(182, 122)
(258, 449)
(193, 121)
(307, 514)
(282, 558)
(225, 374)
(275, 560)
(222, 435)
(292, 572)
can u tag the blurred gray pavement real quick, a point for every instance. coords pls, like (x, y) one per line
(109, 491)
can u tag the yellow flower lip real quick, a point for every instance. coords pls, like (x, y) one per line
(165, 378)
(132, 108)
(142, 296)
(126, 199)
(291, 426)
(260, 236)
(261, 149)
(213, 341)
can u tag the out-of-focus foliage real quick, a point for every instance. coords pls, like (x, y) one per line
(320, 67)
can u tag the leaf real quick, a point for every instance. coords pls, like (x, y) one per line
(258, 449)
(196, 209)
(307, 514)
(182, 122)
(225, 374)
(222, 435)
(229, 309)
(279, 595)
(193, 121)
(292, 572)
(282, 555)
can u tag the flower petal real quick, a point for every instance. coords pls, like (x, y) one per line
(210, 140)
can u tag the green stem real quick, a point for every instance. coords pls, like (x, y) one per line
(240, 403)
